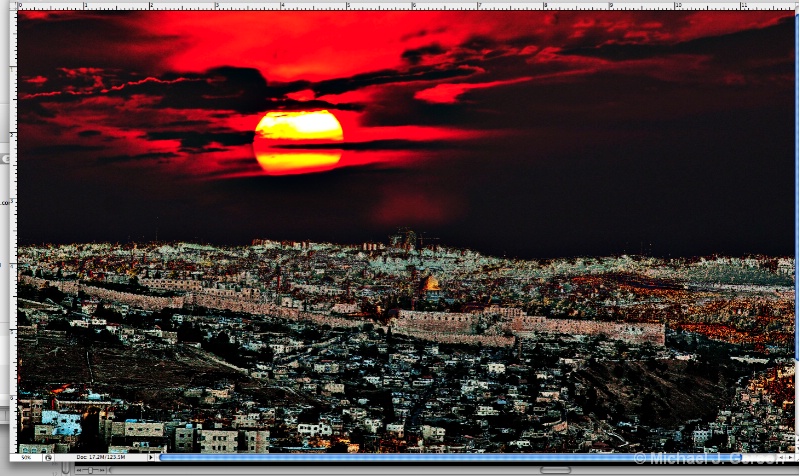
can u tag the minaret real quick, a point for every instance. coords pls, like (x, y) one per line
(278, 285)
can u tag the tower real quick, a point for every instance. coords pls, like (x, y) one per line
(278, 285)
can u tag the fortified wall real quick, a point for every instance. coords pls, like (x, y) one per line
(140, 301)
(439, 322)
(435, 326)
(443, 325)
(237, 303)
(635, 333)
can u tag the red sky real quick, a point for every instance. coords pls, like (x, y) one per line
(163, 105)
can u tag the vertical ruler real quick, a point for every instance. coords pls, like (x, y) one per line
(11, 271)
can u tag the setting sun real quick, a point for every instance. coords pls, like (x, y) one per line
(280, 137)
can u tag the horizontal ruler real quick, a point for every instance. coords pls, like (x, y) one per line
(406, 6)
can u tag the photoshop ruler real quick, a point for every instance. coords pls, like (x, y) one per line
(403, 5)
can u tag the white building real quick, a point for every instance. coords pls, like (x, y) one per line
(326, 367)
(372, 425)
(496, 368)
(485, 410)
(184, 439)
(256, 441)
(314, 429)
(218, 441)
(434, 433)
(700, 436)
(373, 379)
(396, 429)
(63, 423)
(345, 308)
(332, 387)
(246, 420)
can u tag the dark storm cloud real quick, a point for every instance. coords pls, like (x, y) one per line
(730, 48)
(629, 97)
(479, 43)
(296, 105)
(471, 52)
(53, 97)
(388, 144)
(186, 123)
(243, 90)
(621, 52)
(416, 55)
(61, 149)
(83, 32)
(407, 110)
(197, 140)
(137, 157)
(89, 133)
(359, 81)
(480, 46)
(32, 110)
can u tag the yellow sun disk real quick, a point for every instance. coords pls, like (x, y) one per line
(278, 129)
(314, 125)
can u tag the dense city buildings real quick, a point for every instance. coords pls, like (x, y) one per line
(402, 346)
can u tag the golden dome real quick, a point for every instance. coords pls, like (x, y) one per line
(430, 284)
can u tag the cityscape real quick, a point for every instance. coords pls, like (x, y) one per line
(399, 346)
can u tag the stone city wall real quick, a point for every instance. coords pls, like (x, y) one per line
(440, 322)
(633, 332)
(210, 301)
(439, 326)
(136, 300)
